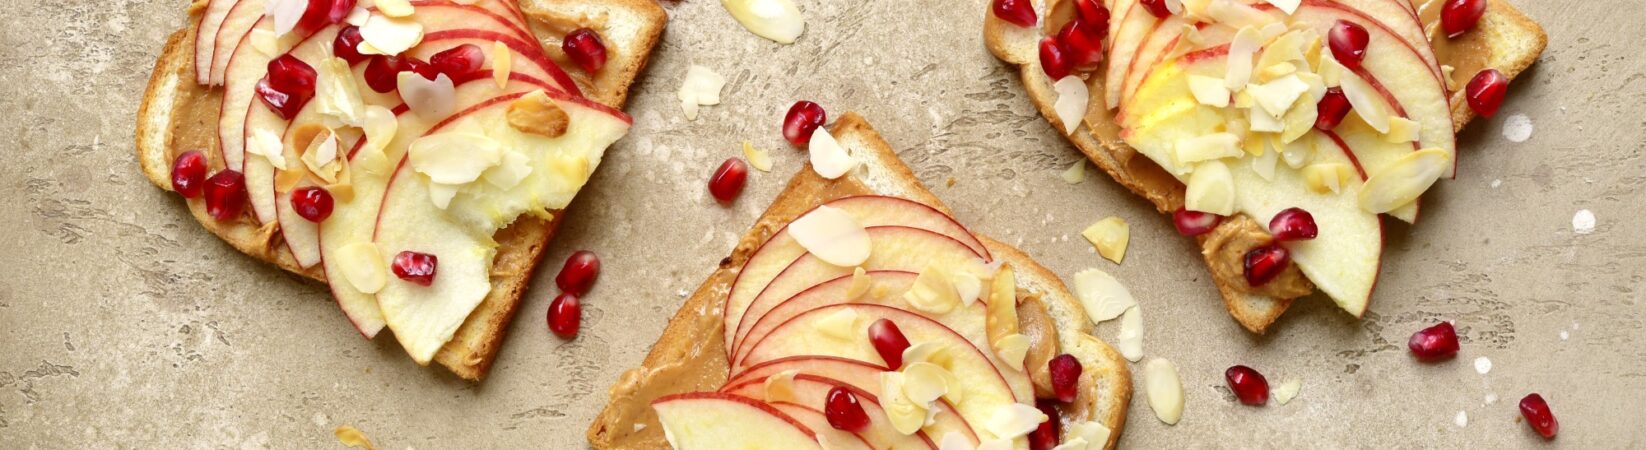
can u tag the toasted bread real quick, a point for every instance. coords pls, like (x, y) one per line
(630, 29)
(693, 338)
(1512, 40)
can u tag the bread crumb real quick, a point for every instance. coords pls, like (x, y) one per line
(950, 182)
(1517, 128)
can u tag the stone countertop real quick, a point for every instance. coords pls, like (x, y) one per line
(123, 324)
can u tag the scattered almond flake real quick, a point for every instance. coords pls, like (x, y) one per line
(1174, 6)
(395, 8)
(352, 437)
(1297, 153)
(1483, 365)
(1496, 183)
(502, 61)
(1208, 147)
(1012, 348)
(514, 168)
(969, 286)
(841, 324)
(1289, 6)
(1015, 420)
(1491, 398)
(1326, 177)
(1209, 91)
(363, 265)
(265, 41)
(1103, 296)
(701, 87)
(285, 14)
(337, 96)
(924, 382)
(1074, 443)
(1072, 98)
(777, 20)
(1130, 339)
(441, 194)
(390, 36)
(760, 159)
(428, 99)
(1564, 335)
(1211, 189)
(1276, 97)
(1110, 237)
(933, 290)
(1241, 50)
(955, 441)
(1261, 120)
(319, 156)
(536, 113)
(828, 158)
(906, 416)
(1096, 434)
(1404, 180)
(357, 16)
(1366, 102)
(1076, 173)
(1164, 389)
(1287, 390)
(1264, 164)
(1401, 130)
(454, 158)
(832, 235)
(1451, 82)
(780, 387)
(268, 145)
(1517, 128)
(1462, 419)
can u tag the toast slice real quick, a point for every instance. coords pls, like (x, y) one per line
(690, 355)
(630, 29)
(1510, 40)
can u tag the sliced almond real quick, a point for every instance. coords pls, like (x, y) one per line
(833, 236)
(380, 127)
(1404, 180)
(389, 35)
(1287, 6)
(267, 144)
(1164, 389)
(502, 61)
(1093, 432)
(1261, 121)
(924, 382)
(1075, 174)
(357, 16)
(454, 158)
(1297, 153)
(1103, 296)
(1241, 49)
(336, 95)
(1300, 120)
(1110, 236)
(860, 284)
(1072, 99)
(1209, 91)
(508, 173)
(700, 87)
(1015, 420)
(933, 291)
(928, 351)
(1211, 189)
(906, 416)
(363, 266)
(1327, 177)
(1208, 147)
(1130, 339)
(777, 20)
(1401, 130)
(841, 325)
(1366, 102)
(265, 42)
(1287, 390)
(1451, 81)
(1239, 15)
(1001, 306)
(759, 159)
(969, 287)
(955, 441)
(1276, 97)
(536, 113)
(430, 99)
(321, 157)
(828, 158)
(285, 14)
(395, 8)
(779, 387)
(441, 194)
(1012, 349)
(1275, 71)
(1264, 163)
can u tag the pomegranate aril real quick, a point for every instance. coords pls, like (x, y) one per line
(314, 16)
(339, 10)
(1434, 343)
(1485, 92)
(1248, 385)
(727, 181)
(565, 314)
(1045, 436)
(801, 121)
(1332, 109)
(889, 342)
(1094, 14)
(225, 195)
(347, 45)
(1459, 16)
(414, 267)
(1293, 224)
(1065, 374)
(1016, 12)
(1157, 7)
(844, 412)
(291, 75)
(283, 104)
(459, 60)
(584, 47)
(1264, 263)
(383, 72)
(1537, 414)
(188, 174)
(1348, 42)
(1194, 223)
(312, 203)
(1082, 45)
(1054, 58)
(579, 272)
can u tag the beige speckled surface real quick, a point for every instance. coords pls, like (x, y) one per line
(122, 324)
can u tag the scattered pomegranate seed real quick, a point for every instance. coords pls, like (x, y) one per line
(459, 60)
(1332, 109)
(1095, 15)
(1293, 224)
(802, 120)
(1348, 41)
(1158, 8)
(1065, 372)
(1044, 436)
(383, 72)
(565, 314)
(1485, 92)
(1017, 12)
(1053, 59)
(225, 195)
(313, 203)
(347, 45)
(584, 47)
(1264, 263)
(843, 411)
(1194, 223)
(339, 10)
(1434, 343)
(288, 86)
(888, 342)
(1248, 385)
(579, 272)
(1538, 416)
(314, 16)
(727, 181)
(1081, 43)
(187, 173)
(1459, 16)
(415, 267)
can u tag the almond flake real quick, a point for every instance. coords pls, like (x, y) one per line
(779, 387)
(833, 236)
(1404, 181)
(860, 284)
(928, 351)
(320, 155)
(441, 194)
(955, 441)
(1001, 306)
(285, 13)
(1093, 432)
(1401, 130)
(701, 87)
(1277, 96)
(1072, 97)
(1287, 390)
(357, 16)
(1297, 153)
(933, 291)
(828, 158)
(395, 8)
(1288, 6)
(841, 325)
(1015, 420)
(267, 144)
(1241, 49)
(906, 416)
(1130, 339)
(777, 20)
(363, 266)
(1264, 164)
(337, 96)
(758, 158)
(1103, 297)
(454, 158)
(1074, 443)
(513, 169)
(1211, 189)
(924, 382)
(265, 42)
(1237, 14)
(1300, 119)
(1326, 177)
(380, 126)
(1365, 101)
(968, 286)
(1208, 147)
(1209, 91)
(1110, 236)
(1076, 173)
(535, 113)
(1012, 349)
(502, 60)
(390, 36)
(428, 99)
(1261, 121)
(1165, 390)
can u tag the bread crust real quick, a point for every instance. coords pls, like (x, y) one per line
(474, 346)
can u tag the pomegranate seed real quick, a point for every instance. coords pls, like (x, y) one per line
(339, 10)
(1017, 12)
(1065, 371)
(1332, 109)
(577, 276)
(1248, 385)
(225, 195)
(583, 46)
(802, 120)
(1459, 16)
(1194, 223)
(727, 181)
(281, 103)
(288, 86)
(1264, 263)
(1158, 8)
(1485, 92)
(383, 72)
(888, 342)
(1095, 15)
(187, 173)
(1293, 224)
(843, 411)
(1434, 343)
(313, 203)
(1044, 436)
(347, 45)
(314, 16)
(1348, 41)
(1052, 58)
(1081, 43)
(459, 60)
(1538, 416)
(415, 267)
(565, 313)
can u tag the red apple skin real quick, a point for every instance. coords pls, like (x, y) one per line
(763, 407)
(864, 398)
(807, 300)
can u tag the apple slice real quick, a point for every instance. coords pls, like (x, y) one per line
(500, 12)
(889, 282)
(1135, 25)
(205, 37)
(1397, 16)
(302, 236)
(533, 53)
(812, 391)
(243, 17)
(815, 419)
(710, 420)
(1374, 154)
(244, 67)
(861, 375)
(1151, 51)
